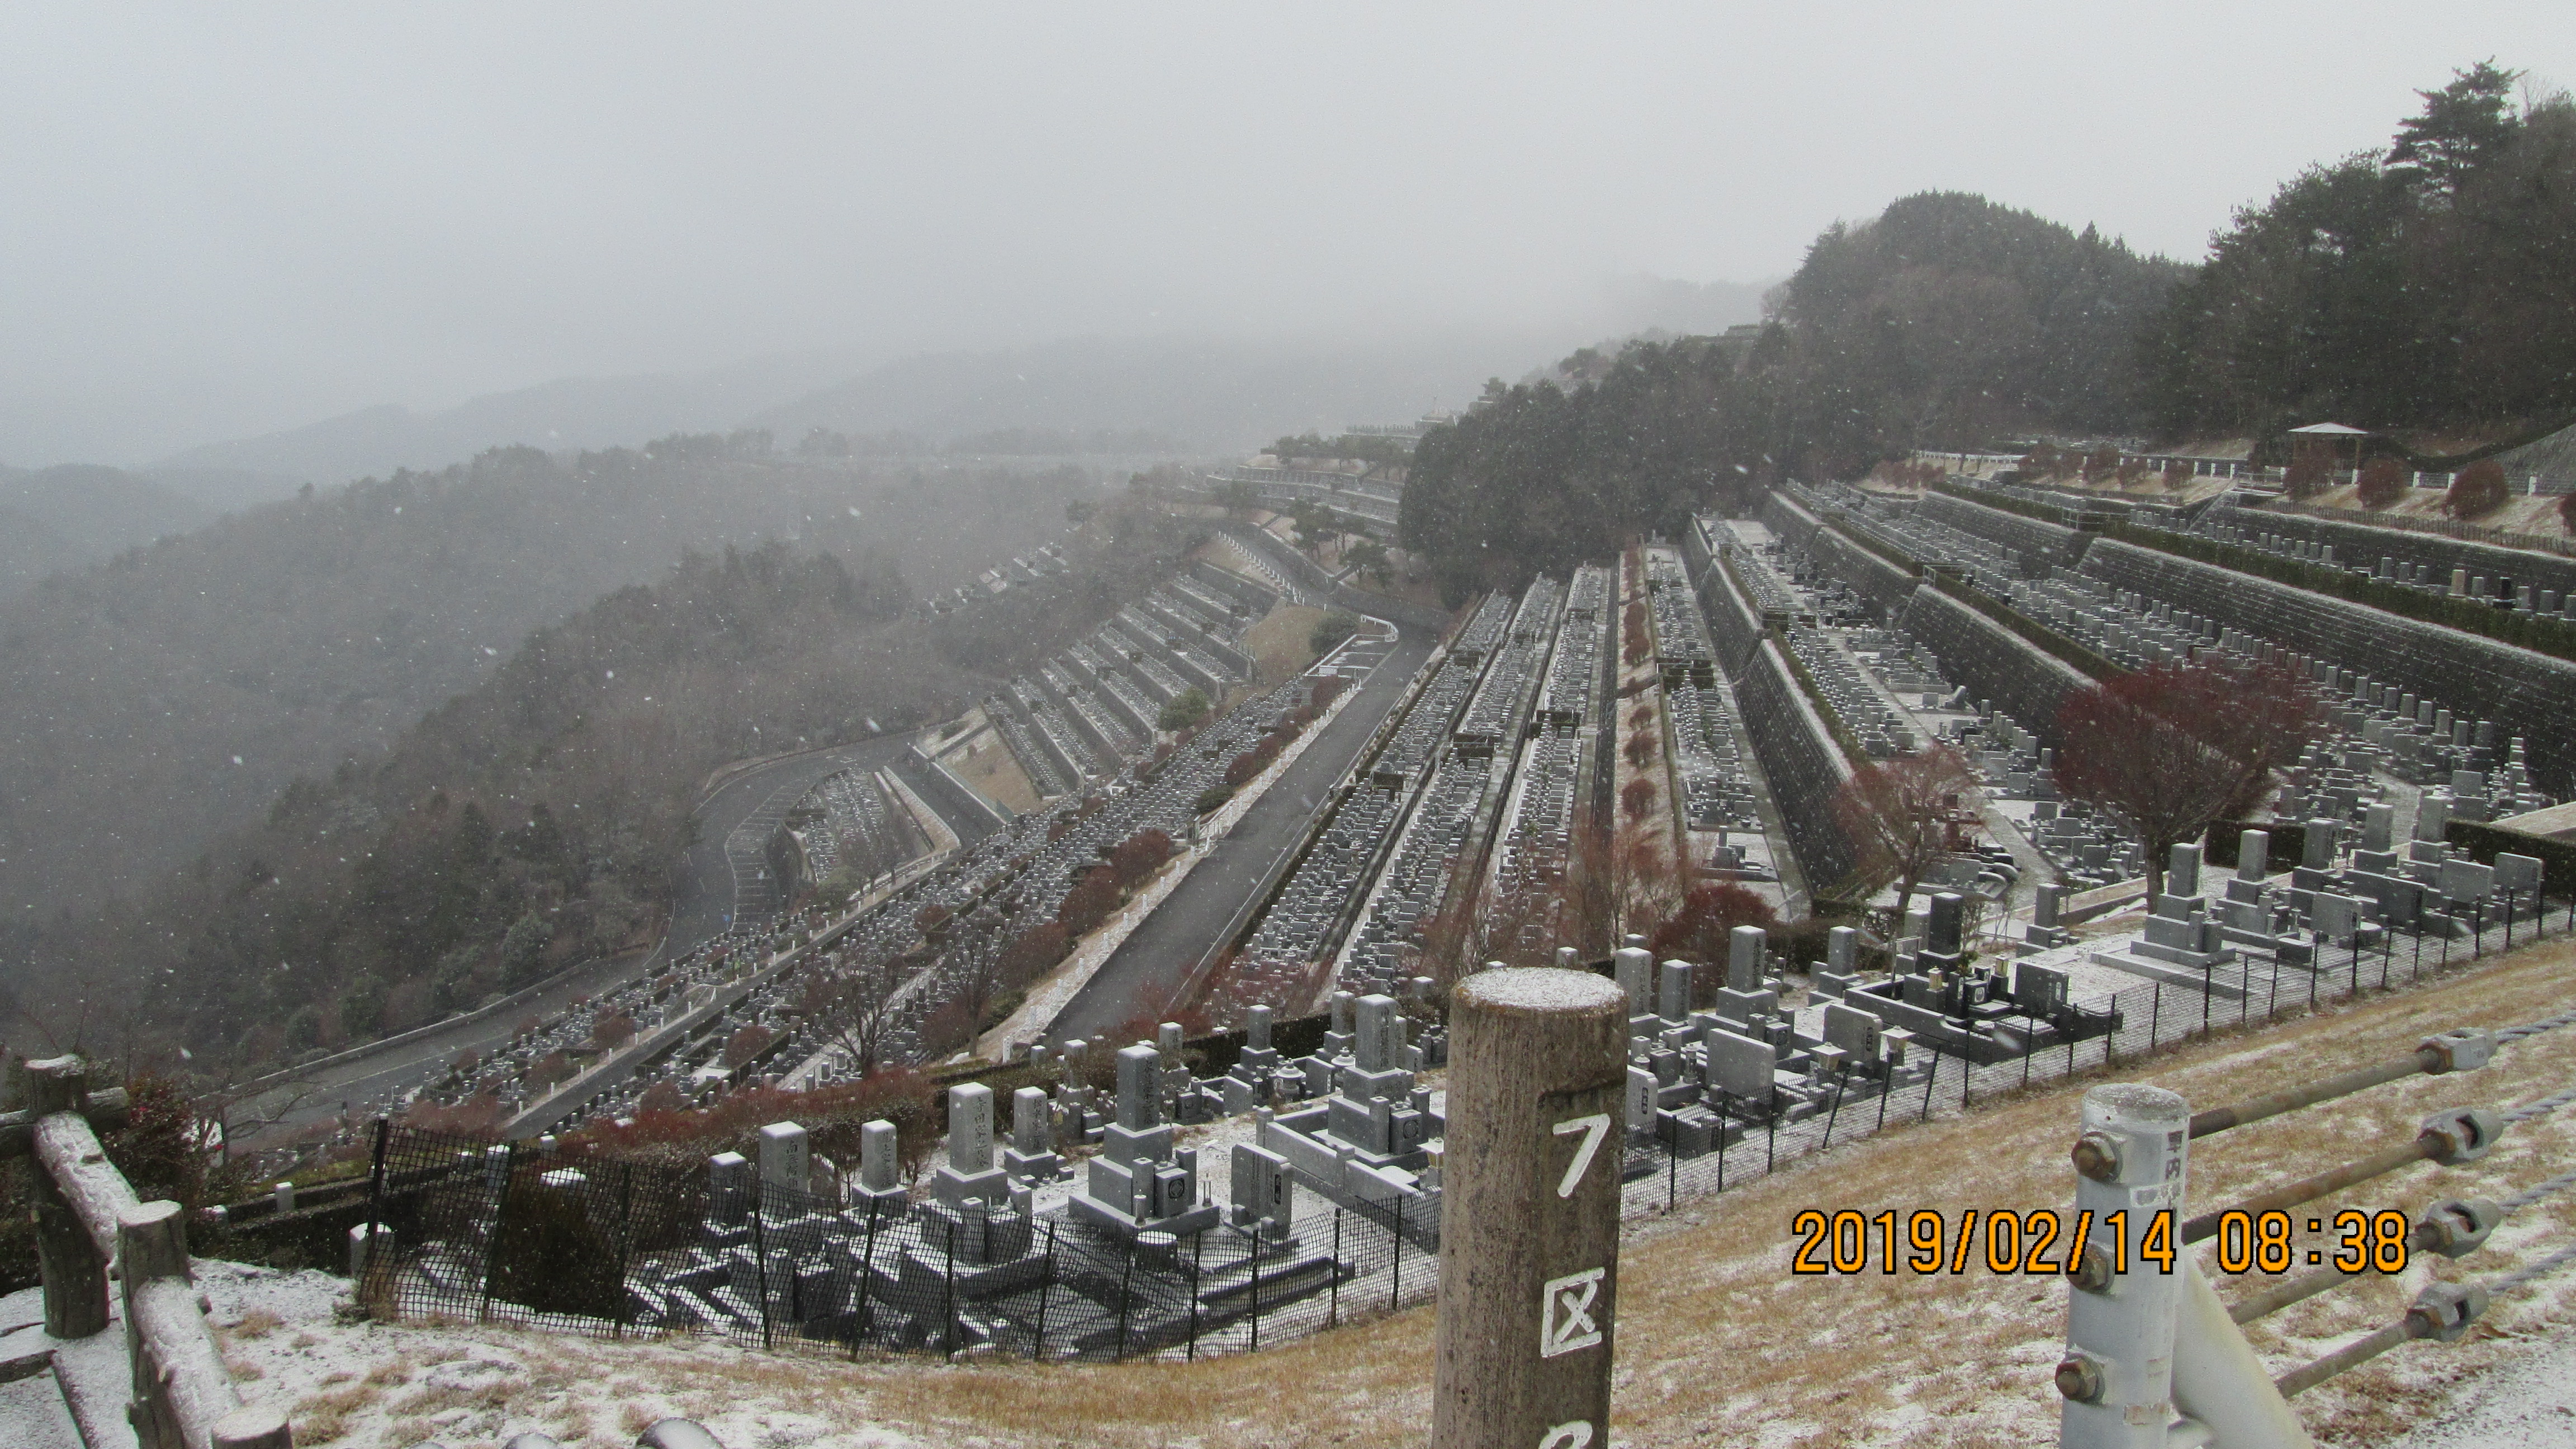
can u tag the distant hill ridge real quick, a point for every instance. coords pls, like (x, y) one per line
(76, 514)
(1210, 394)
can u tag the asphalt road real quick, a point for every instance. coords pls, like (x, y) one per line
(715, 885)
(1154, 961)
(712, 887)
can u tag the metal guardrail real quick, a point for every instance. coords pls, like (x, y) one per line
(87, 1217)
(2153, 1355)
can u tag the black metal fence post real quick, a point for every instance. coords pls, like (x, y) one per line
(1198, 1245)
(1395, 1289)
(625, 1243)
(1931, 1074)
(865, 1320)
(1046, 1287)
(1125, 1280)
(760, 1257)
(949, 1328)
(375, 1208)
(1333, 1317)
(500, 1225)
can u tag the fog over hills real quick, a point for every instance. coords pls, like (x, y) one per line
(151, 701)
(77, 514)
(1208, 393)
(576, 412)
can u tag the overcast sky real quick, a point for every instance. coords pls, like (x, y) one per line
(224, 221)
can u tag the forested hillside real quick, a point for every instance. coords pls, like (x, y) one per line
(532, 818)
(536, 819)
(1539, 477)
(1940, 322)
(148, 703)
(2430, 290)
(1949, 321)
(2429, 287)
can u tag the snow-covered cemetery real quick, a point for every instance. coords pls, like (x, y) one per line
(784, 830)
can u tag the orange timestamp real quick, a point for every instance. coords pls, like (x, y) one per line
(2026, 1243)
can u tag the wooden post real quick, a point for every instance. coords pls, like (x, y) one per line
(1529, 1233)
(183, 1394)
(74, 1269)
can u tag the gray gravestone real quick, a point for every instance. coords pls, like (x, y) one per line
(1852, 1030)
(1634, 967)
(1675, 1000)
(786, 1158)
(1744, 948)
(2253, 854)
(1740, 1066)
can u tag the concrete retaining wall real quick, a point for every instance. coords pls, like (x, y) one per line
(1878, 580)
(1799, 759)
(1801, 762)
(2526, 694)
(2358, 545)
(1992, 661)
(1790, 519)
(1734, 629)
(2033, 538)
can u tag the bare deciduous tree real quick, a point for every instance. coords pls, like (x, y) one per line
(854, 1008)
(1904, 816)
(2172, 748)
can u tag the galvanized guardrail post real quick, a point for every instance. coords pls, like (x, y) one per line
(2117, 1377)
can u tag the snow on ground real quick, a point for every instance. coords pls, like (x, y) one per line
(295, 1339)
(2529, 1403)
(1899, 1362)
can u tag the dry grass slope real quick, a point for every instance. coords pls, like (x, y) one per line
(1717, 1340)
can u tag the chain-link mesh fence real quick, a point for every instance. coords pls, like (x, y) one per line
(2091, 1033)
(508, 1231)
(505, 1231)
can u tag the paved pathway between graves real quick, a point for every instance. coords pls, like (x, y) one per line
(1160, 953)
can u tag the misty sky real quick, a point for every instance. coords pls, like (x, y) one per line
(221, 222)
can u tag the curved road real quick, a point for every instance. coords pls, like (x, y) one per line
(717, 884)
(711, 890)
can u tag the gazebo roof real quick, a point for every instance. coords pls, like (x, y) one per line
(2331, 430)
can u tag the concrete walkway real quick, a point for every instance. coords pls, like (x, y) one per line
(1162, 951)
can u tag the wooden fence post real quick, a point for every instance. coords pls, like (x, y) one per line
(1529, 1231)
(74, 1270)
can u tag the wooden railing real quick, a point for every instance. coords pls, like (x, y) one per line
(87, 1219)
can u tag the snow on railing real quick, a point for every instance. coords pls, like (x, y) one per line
(86, 1217)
